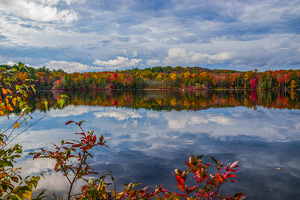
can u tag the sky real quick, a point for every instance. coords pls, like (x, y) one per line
(101, 35)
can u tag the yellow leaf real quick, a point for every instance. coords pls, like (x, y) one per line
(9, 91)
(14, 101)
(17, 125)
(27, 194)
(3, 175)
(4, 91)
(16, 169)
(113, 193)
(119, 195)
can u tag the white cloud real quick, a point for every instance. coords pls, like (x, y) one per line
(184, 119)
(134, 54)
(152, 114)
(71, 111)
(10, 62)
(153, 62)
(179, 56)
(40, 12)
(67, 66)
(118, 63)
(119, 114)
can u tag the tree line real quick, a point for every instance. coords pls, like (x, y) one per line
(175, 78)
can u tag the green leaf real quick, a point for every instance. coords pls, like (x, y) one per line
(80, 123)
(6, 164)
(34, 90)
(46, 104)
(101, 138)
(68, 152)
(213, 159)
(13, 198)
(136, 184)
(61, 102)
(199, 157)
(21, 103)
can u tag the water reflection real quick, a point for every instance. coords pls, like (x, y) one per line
(148, 145)
(166, 100)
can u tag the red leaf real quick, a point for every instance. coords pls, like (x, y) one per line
(80, 133)
(180, 183)
(231, 176)
(36, 156)
(56, 166)
(69, 122)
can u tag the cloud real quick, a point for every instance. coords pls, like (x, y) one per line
(119, 114)
(39, 11)
(134, 54)
(67, 66)
(179, 56)
(72, 111)
(153, 62)
(184, 119)
(118, 63)
(10, 62)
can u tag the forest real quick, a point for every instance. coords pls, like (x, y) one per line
(159, 78)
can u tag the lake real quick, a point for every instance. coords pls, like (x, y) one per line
(154, 132)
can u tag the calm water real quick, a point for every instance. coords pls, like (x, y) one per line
(153, 133)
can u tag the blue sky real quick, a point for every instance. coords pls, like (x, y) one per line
(92, 35)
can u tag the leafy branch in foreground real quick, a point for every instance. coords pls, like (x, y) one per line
(71, 156)
(15, 89)
(209, 191)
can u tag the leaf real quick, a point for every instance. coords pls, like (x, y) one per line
(180, 183)
(46, 104)
(69, 122)
(120, 195)
(6, 164)
(63, 96)
(199, 157)
(27, 194)
(213, 159)
(3, 175)
(17, 125)
(15, 179)
(34, 90)
(80, 123)
(234, 164)
(4, 91)
(136, 184)
(61, 102)
(68, 152)
(101, 138)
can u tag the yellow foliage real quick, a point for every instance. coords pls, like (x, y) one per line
(159, 77)
(173, 76)
(293, 84)
(27, 194)
(173, 102)
(4, 91)
(186, 74)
